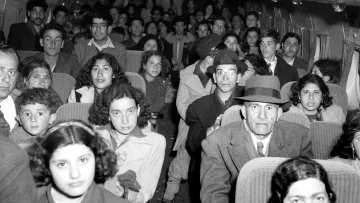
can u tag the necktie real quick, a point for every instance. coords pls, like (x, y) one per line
(4, 126)
(260, 147)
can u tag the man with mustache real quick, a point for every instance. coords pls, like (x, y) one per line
(261, 133)
(25, 36)
(291, 44)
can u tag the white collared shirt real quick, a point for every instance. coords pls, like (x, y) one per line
(106, 45)
(272, 65)
(292, 62)
(255, 140)
(9, 111)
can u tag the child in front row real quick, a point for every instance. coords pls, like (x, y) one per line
(36, 110)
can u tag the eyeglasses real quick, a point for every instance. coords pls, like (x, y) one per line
(229, 73)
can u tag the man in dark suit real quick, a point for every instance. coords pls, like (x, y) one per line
(204, 115)
(25, 36)
(269, 44)
(260, 134)
(52, 39)
(290, 44)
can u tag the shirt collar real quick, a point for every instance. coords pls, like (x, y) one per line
(108, 44)
(273, 62)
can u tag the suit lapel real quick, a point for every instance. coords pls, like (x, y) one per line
(238, 144)
(276, 142)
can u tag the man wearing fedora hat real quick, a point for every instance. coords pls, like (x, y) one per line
(194, 83)
(204, 115)
(260, 134)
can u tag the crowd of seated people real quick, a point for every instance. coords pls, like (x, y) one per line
(213, 57)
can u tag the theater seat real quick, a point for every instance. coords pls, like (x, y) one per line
(324, 137)
(133, 60)
(231, 115)
(296, 118)
(253, 183)
(285, 90)
(63, 84)
(69, 111)
(24, 54)
(136, 80)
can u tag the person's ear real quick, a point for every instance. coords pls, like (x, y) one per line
(280, 111)
(326, 78)
(243, 110)
(41, 42)
(238, 78)
(52, 118)
(110, 27)
(28, 14)
(214, 77)
(277, 46)
(62, 44)
(18, 119)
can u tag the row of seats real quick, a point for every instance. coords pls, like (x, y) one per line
(254, 180)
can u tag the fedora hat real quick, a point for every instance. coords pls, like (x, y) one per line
(263, 89)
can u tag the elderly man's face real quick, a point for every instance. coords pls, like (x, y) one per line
(8, 74)
(261, 117)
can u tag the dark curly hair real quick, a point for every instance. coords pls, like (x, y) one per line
(296, 169)
(145, 57)
(329, 68)
(99, 111)
(259, 64)
(245, 47)
(47, 97)
(303, 81)
(84, 77)
(148, 37)
(64, 134)
(53, 26)
(343, 148)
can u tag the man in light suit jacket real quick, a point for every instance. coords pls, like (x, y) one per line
(290, 44)
(227, 149)
(194, 83)
(269, 44)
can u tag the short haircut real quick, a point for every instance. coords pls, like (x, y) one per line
(230, 34)
(102, 14)
(115, 7)
(179, 19)
(218, 18)
(156, 8)
(271, 33)
(259, 64)
(329, 68)
(60, 8)
(84, 77)
(296, 88)
(53, 26)
(36, 3)
(43, 96)
(79, 36)
(68, 133)
(148, 37)
(252, 13)
(6, 49)
(99, 111)
(291, 35)
(202, 23)
(137, 19)
(199, 10)
(297, 169)
(343, 148)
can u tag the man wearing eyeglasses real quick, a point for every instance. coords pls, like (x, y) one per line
(25, 36)
(204, 115)
(100, 42)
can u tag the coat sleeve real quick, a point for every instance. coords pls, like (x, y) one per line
(150, 173)
(12, 37)
(74, 65)
(197, 132)
(182, 99)
(121, 57)
(214, 176)
(78, 51)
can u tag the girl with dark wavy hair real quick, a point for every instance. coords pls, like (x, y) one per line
(301, 179)
(250, 41)
(311, 96)
(71, 159)
(347, 148)
(124, 112)
(99, 72)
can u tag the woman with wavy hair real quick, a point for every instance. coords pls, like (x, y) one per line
(347, 148)
(301, 179)
(311, 96)
(124, 114)
(71, 159)
(250, 41)
(99, 72)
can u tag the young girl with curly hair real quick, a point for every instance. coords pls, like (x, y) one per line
(124, 113)
(311, 96)
(71, 159)
(99, 72)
